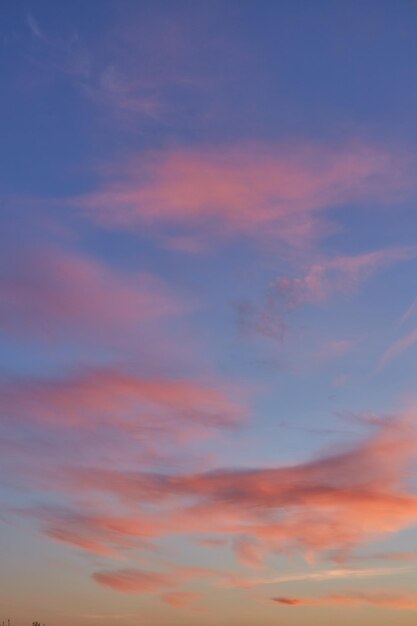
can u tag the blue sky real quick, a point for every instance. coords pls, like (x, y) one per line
(207, 312)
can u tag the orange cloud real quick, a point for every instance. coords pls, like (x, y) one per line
(250, 190)
(333, 503)
(377, 599)
(100, 534)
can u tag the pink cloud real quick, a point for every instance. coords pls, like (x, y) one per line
(140, 581)
(251, 190)
(135, 581)
(104, 396)
(55, 292)
(336, 502)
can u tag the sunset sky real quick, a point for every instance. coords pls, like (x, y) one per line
(208, 312)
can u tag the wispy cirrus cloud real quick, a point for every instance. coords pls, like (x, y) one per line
(142, 581)
(90, 530)
(112, 75)
(100, 396)
(323, 279)
(260, 192)
(383, 599)
(342, 274)
(397, 348)
(313, 576)
(136, 581)
(126, 96)
(34, 27)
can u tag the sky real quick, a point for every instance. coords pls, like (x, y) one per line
(208, 312)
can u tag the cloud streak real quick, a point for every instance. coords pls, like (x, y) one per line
(112, 396)
(142, 581)
(315, 576)
(387, 600)
(334, 503)
(252, 191)
(397, 348)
